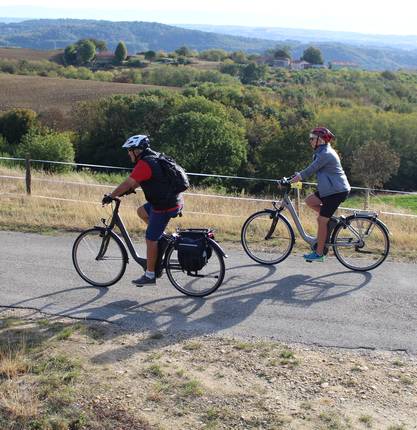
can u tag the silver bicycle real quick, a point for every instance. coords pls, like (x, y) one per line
(360, 241)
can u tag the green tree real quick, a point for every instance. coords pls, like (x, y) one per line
(387, 74)
(121, 52)
(50, 146)
(70, 55)
(103, 125)
(232, 69)
(286, 152)
(283, 52)
(374, 164)
(99, 44)
(15, 123)
(313, 55)
(239, 57)
(86, 51)
(183, 51)
(150, 55)
(204, 142)
(252, 73)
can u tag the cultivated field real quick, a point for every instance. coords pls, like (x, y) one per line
(28, 54)
(41, 94)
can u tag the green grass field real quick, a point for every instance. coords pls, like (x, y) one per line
(396, 203)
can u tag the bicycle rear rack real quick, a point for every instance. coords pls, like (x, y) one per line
(364, 212)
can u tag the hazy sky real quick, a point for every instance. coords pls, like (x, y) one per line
(365, 16)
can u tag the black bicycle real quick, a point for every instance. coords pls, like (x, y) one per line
(100, 256)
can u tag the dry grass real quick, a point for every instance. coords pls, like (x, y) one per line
(123, 380)
(225, 215)
(19, 402)
(41, 93)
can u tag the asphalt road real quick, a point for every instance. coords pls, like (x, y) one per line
(323, 304)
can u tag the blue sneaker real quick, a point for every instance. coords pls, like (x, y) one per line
(314, 257)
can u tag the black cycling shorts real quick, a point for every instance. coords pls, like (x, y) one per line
(331, 203)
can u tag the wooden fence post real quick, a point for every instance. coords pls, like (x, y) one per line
(367, 195)
(298, 202)
(28, 176)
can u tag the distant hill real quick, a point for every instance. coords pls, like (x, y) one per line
(310, 36)
(48, 34)
(138, 36)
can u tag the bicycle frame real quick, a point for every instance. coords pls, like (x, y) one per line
(287, 204)
(117, 221)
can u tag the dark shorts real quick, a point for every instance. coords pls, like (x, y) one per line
(158, 221)
(331, 203)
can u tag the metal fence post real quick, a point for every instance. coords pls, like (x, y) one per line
(28, 176)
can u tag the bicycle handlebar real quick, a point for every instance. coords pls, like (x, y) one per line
(107, 199)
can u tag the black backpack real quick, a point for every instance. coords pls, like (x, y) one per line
(178, 179)
(193, 251)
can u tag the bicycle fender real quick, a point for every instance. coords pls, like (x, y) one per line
(356, 216)
(273, 211)
(214, 244)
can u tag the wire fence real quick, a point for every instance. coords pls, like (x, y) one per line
(29, 179)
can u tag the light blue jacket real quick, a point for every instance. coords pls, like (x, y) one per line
(331, 177)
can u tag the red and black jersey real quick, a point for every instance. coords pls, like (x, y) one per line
(155, 185)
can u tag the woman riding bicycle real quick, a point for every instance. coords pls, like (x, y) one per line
(332, 188)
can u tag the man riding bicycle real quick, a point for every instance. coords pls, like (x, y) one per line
(332, 185)
(162, 203)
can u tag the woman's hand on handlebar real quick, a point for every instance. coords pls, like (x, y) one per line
(296, 178)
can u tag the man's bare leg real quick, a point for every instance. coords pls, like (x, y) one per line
(151, 254)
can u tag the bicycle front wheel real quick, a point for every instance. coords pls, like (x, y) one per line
(267, 237)
(99, 257)
(197, 284)
(362, 245)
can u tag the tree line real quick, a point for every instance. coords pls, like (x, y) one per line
(225, 129)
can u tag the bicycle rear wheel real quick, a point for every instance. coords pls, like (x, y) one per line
(267, 238)
(197, 284)
(99, 257)
(363, 245)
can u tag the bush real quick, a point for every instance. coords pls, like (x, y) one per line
(213, 55)
(15, 123)
(8, 67)
(128, 77)
(51, 146)
(84, 73)
(103, 76)
(4, 147)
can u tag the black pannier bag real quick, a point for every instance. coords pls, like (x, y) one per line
(194, 251)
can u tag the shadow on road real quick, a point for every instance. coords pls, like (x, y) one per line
(234, 302)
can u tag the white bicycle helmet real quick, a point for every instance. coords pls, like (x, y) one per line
(138, 141)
